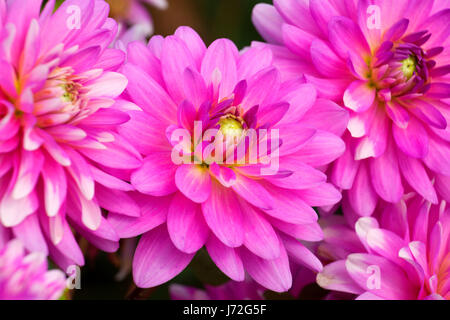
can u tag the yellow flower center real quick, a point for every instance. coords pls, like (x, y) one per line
(409, 66)
(231, 127)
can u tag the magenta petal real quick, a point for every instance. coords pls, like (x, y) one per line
(412, 140)
(268, 22)
(386, 178)
(194, 181)
(156, 177)
(359, 96)
(186, 225)
(300, 254)
(273, 274)
(226, 258)
(417, 177)
(393, 282)
(224, 216)
(157, 260)
(335, 277)
(153, 213)
(361, 196)
(221, 56)
(260, 237)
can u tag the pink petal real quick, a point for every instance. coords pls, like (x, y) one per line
(359, 96)
(157, 260)
(273, 274)
(156, 177)
(224, 216)
(226, 258)
(186, 225)
(194, 182)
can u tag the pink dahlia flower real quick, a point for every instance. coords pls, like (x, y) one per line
(196, 192)
(58, 120)
(387, 62)
(25, 276)
(135, 22)
(403, 254)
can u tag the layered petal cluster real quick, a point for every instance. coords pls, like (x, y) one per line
(196, 109)
(60, 153)
(25, 276)
(388, 63)
(404, 254)
(135, 22)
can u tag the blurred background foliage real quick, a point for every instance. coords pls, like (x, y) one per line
(212, 19)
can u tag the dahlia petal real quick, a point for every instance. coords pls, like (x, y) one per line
(412, 140)
(300, 254)
(327, 116)
(322, 149)
(81, 174)
(385, 243)
(108, 85)
(359, 96)
(186, 225)
(142, 130)
(148, 94)
(156, 176)
(14, 211)
(437, 157)
(194, 87)
(157, 260)
(226, 258)
(345, 169)
(289, 207)
(428, 114)
(301, 100)
(439, 91)
(298, 41)
(139, 55)
(194, 182)
(268, 22)
(175, 58)
(30, 234)
(193, 42)
(323, 195)
(253, 192)
(393, 281)
(346, 37)
(326, 61)
(253, 60)
(221, 55)
(29, 170)
(153, 213)
(55, 187)
(308, 232)
(258, 87)
(303, 177)
(116, 201)
(385, 174)
(272, 274)
(294, 137)
(334, 277)
(224, 216)
(259, 236)
(397, 114)
(361, 196)
(290, 10)
(329, 88)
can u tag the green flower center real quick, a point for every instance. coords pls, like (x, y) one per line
(231, 127)
(409, 66)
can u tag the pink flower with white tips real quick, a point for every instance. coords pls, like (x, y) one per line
(402, 254)
(59, 147)
(247, 213)
(25, 276)
(388, 63)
